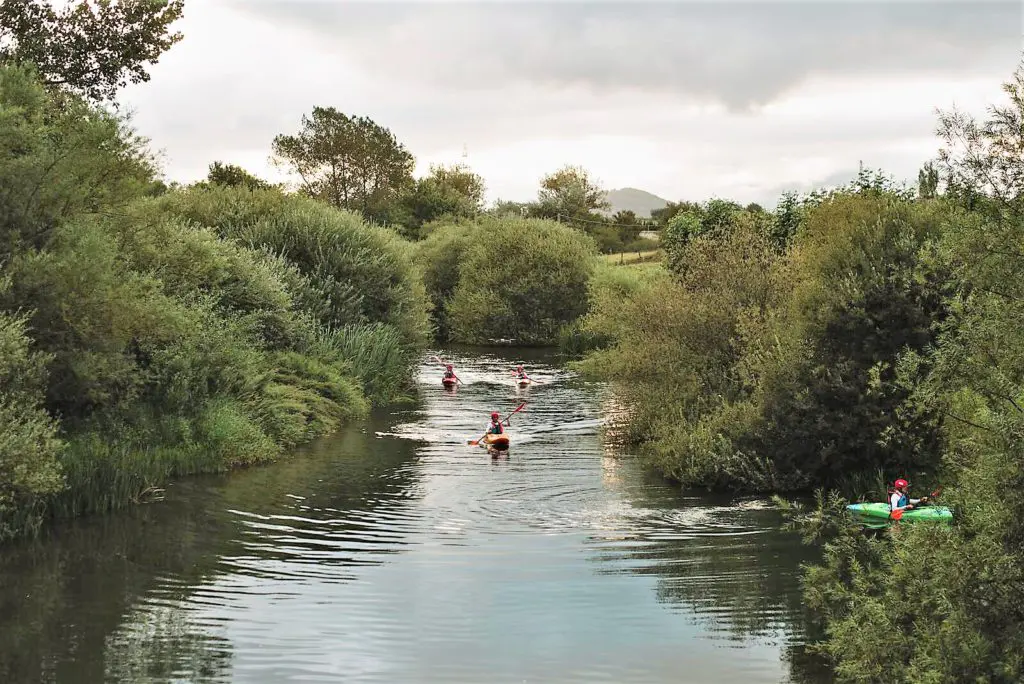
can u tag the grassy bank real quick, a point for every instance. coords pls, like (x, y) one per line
(626, 258)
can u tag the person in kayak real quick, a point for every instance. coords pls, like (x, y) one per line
(521, 374)
(900, 500)
(449, 372)
(495, 428)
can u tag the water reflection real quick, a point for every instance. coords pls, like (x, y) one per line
(720, 559)
(123, 596)
(394, 551)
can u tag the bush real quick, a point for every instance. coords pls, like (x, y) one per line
(364, 272)
(442, 255)
(59, 157)
(769, 371)
(29, 446)
(522, 279)
(202, 330)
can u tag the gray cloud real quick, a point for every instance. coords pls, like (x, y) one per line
(738, 54)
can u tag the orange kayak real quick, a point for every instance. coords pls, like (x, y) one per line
(497, 441)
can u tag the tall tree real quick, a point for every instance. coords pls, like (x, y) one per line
(350, 162)
(625, 217)
(928, 181)
(570, 193)
(233, 175)
(92, 47)
(454, 191)
(662, 216)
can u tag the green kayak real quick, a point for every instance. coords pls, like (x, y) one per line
(879, 512)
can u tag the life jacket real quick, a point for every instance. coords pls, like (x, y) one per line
(449, 374)
(901, 503)
(521, 374)
(496, 428)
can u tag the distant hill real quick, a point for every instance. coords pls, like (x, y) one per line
(638, 201)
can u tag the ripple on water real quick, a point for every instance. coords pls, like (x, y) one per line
(560, 560)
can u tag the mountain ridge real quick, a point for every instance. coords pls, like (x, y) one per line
(640, 202)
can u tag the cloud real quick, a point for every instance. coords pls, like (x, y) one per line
(686, 100)
(739, 54)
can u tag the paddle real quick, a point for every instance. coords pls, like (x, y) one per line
(474, 442)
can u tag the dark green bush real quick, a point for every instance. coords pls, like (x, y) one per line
(507, 278)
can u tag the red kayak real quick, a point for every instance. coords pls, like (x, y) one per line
(448, 382)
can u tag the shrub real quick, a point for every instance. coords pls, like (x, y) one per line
(523, 279)
(365, 272)
(29, 445)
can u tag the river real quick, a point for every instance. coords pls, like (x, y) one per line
(395, 552)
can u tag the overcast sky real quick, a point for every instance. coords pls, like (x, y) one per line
(686, 100)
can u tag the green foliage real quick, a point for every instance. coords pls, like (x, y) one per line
(569, 193)
(29, 446)
(178, 331)
(232, 175)
(359, 273)
(928, 181)
(610, 291)
(92, 48)
(349, 162)
(943, 603)
(445, 193)
(774, 371)
(442, 255)
(506, 278)
(59, 158)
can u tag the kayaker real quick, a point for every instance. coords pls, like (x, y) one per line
(900, 500)
(520, 373)
(494, 428)
(449, 372)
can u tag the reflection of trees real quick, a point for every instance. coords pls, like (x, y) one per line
(160, 643)
(69, 603)
(729, 565)
(61, 597)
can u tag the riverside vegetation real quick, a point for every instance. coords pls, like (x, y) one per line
(853, 336)
(150, 330)
(848, 336)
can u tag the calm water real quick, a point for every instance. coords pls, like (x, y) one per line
(394, 552)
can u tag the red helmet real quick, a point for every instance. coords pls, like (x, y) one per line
(494, 415)
(900, 484)
(448, 366)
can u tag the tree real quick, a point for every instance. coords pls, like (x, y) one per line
(928, 181)
(232, 175)
(570, 193)
(453, 191)
(460, 179)
(350, 162)
(92, 47)
(504, 208)
(625, 217)
(786, 219)
(662, 216)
